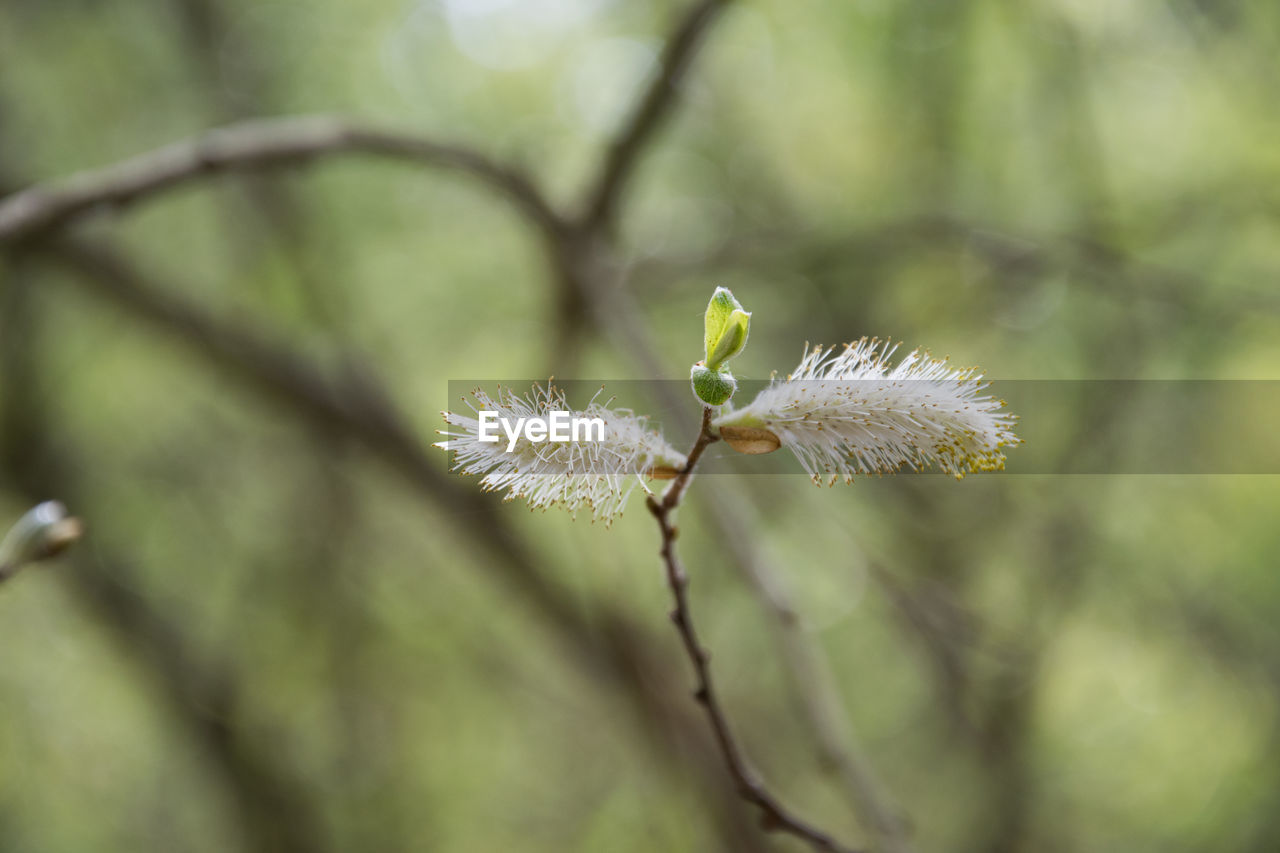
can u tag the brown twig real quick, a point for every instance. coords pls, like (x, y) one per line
(775, 817)
(731, 516)
(262, 144)
(591, 287)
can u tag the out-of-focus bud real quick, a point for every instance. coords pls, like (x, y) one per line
(45, 531)
(750, 440)
(662, 472)
(713, 387)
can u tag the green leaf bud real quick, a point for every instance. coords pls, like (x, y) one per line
(726, 328)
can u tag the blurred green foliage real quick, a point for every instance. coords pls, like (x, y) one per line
(1051, 189)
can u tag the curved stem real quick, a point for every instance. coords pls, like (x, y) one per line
(261, 144)
(774, 816)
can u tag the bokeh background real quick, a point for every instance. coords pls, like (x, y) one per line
(290, 630)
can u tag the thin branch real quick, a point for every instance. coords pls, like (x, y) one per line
(252, 145)
(650, 111)
(1015, 257)
(775, 817)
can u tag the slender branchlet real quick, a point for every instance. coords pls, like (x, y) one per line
(774, 816)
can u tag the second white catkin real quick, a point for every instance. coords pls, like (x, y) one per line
(848, 411)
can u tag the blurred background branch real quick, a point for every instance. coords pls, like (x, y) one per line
(382, 659)
(258, 144)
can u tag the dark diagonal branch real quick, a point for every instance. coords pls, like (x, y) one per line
(608, 644)
(253, 145)
(775, 817)
(648, 115)
(353, 405)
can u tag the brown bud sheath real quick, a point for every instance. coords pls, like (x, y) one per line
(750, 440)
